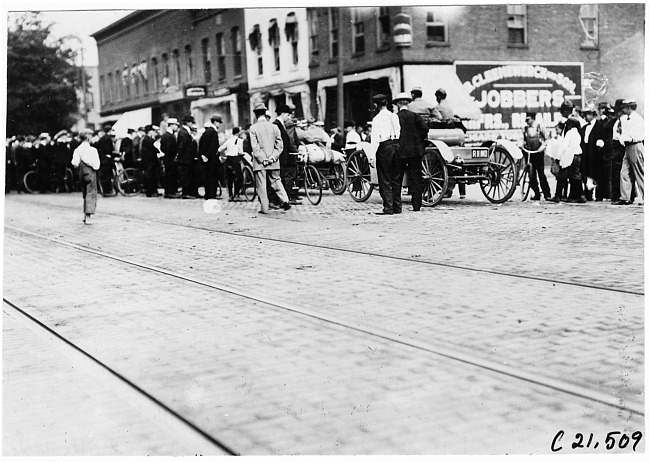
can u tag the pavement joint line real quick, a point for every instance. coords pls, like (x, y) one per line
(372, 254)
(196, 439)
(439, 350)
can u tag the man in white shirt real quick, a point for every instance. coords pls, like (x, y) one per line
(384, 140)
(632, 137)
(231, 152)
(87, 159)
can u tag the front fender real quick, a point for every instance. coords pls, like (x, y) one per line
(445, 151)
(511, 147)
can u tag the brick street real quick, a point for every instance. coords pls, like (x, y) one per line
(469, 328)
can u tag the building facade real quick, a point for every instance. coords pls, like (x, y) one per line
(496, 62)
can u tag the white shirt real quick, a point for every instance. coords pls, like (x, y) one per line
(632, 128)
(233, 146)
(86, 153)
(385, 126)
(588, 129)
(352, 139)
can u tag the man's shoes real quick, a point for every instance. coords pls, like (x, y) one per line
(286, 206)
(295, 202)
(415, 210)
(598, 199)
(397, 212)
(462, 196)
(187, 196)
(535, 198)
(172, 196)
(623, 203)
(547, 198)
(555, 199)
(231, 199)
(261, 212)
(274, 207)
(383, 213)
(581, 200)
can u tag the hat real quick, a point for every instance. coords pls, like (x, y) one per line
(141, 129)
(603, 105)
(260, 107)
(566, 106)
(402, 97)
(216, 118)
(441, 92)
(148, 128)
(188, 119)
(130, 130)
(172, 121)
(380, 98)
(107, 127)
(416, 89)
(530, 115)
(348, 123)
(283, 109)
(629, 103)
(44, 135)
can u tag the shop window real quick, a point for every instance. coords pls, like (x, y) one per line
(177, 67)
(255, 40)
(312, 20)
(589, 23)
(189, 65)
(383, 27)
(358, 31)
(236, 50)
(291, 32)
(517, 21)
(221, 57)
(274, 41)
(207, 65)
(437, 26)
(334, 32)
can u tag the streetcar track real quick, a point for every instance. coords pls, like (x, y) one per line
(431, 348)
(125, 388)
(380, 255)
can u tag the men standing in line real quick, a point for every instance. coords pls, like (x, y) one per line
(632, 137)
(288, 162)
(413, 133)
(170, 150)
(187, 157)
(149, 156)
(266, 142)
(384, 139)
(534, 143)
(208, 147)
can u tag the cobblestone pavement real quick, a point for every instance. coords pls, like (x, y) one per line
(270, 382)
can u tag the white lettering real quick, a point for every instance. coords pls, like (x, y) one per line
(506, 98)
(531, 98)
(493, 99)
(544, 98)
(558, 98)
(519, 98)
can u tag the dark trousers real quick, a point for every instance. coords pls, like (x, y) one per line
(188, 182)
(234, 176)
(151, 179)
(575, 177)
(537, 172)
(171, 178)
(603, 186)
(211, 177)
(412, 166)
(43, 175)
(389, 174)
(105, 173)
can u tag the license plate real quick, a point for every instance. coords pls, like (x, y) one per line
(479, 153)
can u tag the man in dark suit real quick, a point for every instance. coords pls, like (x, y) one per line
(105, 150)
(288, 162)
(170, 150)
(208, 147)
(599, 162)
(412, 138)
(149, 156)
(126, 149)
(187, 157)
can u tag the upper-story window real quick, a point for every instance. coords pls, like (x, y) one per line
(189, 65)
(358, 31)
(312, 20)
(255, 40)
(517, 24)
(589, 23)
(437, 25)
(144, 76)
(221, 56)
(383, 27)
(274, 41)
(102, 90)
(155, 74)
(126, 82)
(207, 64)
(109, 88)
(333, 14)
(235, 34)
(119, 86)
(135, 80)
(291, 31)
(177, 67)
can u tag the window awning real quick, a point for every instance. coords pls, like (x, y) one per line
(430, 77)
(132, 119)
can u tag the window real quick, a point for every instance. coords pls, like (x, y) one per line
(517, 24)
(236, 50)
(102, 90)
(126, 82)
(189, 65)
(135, 81)
(166, 74)
(144, 75)
(155, 74)
(383, 27)
(437, 25)
(589, 23)
(274, 41)
(255, 40)
(334, 32)
(110, 90)
(358, 31)
(312, 19)
(205, 53)
(221, 57)
(177, 67)
(118, 86)
(291, 31)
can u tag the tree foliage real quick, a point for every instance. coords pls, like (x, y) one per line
(42, 79)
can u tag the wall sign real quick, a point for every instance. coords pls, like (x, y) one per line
(195, 92)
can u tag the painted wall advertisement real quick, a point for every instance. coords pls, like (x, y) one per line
(506, 91)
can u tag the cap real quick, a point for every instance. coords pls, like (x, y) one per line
(148, 128)
(172, 121)
(283, 109)
(348, 123)
(603, 105)
(380, 98)
(130, 130)
(216, 118)
(416, 89)
(566, 106)
(402, 97)
(629, 103)
(260, 107)
(188, 119)
(441, 92)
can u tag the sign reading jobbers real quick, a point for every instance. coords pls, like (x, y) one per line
(506, 91)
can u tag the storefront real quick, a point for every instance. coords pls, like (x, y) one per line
(297, 95)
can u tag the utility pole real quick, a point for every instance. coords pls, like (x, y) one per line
(339, 73)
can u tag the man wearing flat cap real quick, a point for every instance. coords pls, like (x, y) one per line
(413, 133)
(288, 168)
(188, 157)
(384, 139)
(632, 137)
(169, 148)
(266, 142)
(208, 147)
(149, 156)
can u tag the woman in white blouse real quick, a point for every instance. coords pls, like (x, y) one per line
(87, 159)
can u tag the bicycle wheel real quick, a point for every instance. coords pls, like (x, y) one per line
(128, 182)
(337, 179)
(358, 177)
(107, 185)
(313, 185)
(525, 182)
(248, 184)
(68, 180)
(30, 180)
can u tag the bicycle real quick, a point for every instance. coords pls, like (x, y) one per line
(126, 181)
(523, 177)
(56, 184)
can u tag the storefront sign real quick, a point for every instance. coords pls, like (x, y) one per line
(195, 92)
(220, 92)
(506, 91)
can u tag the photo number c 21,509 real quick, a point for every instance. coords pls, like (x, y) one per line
(612, 441)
